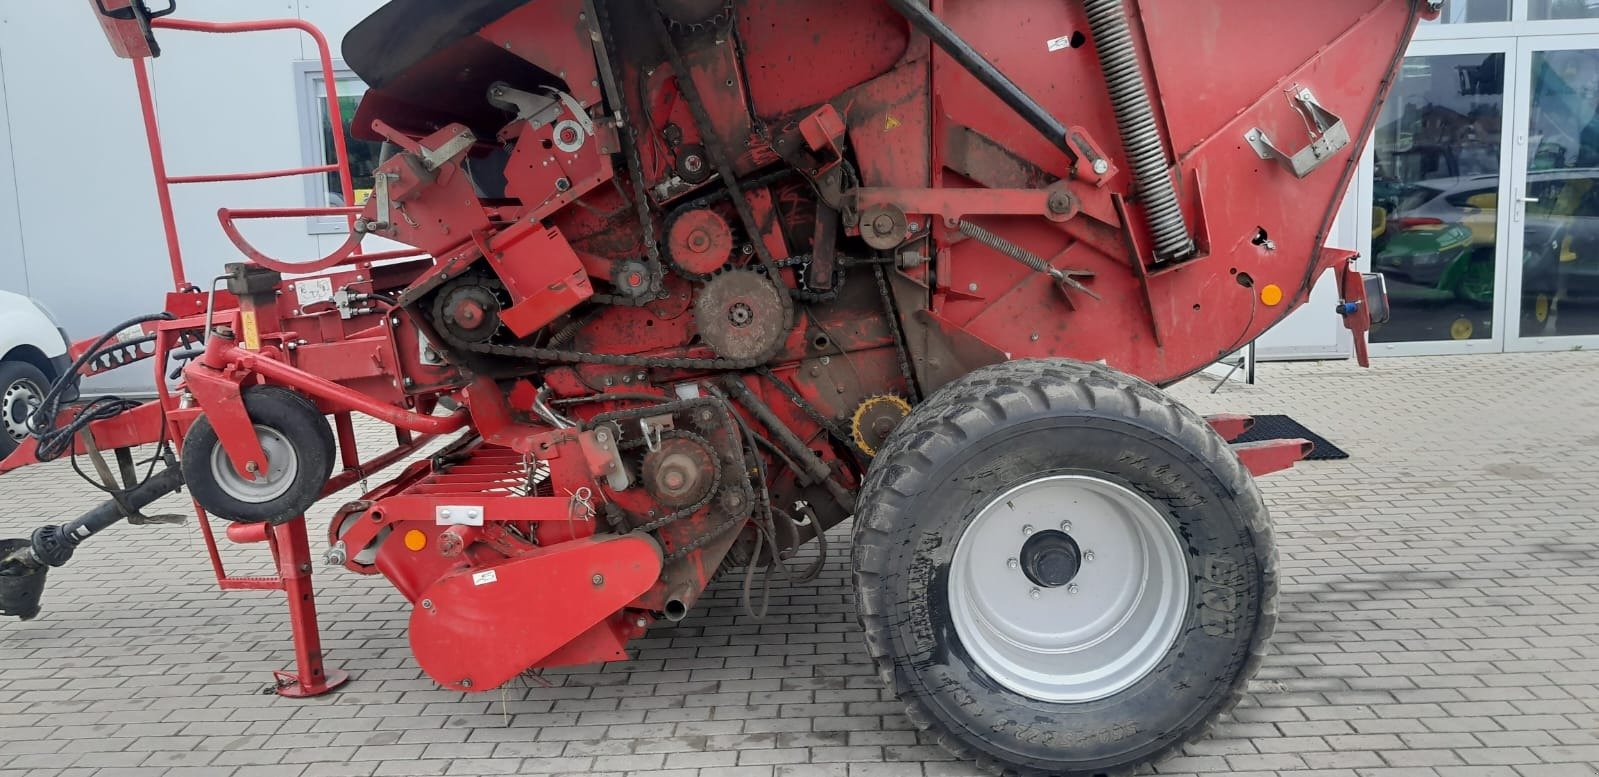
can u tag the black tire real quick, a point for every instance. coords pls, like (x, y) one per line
(1015, 423)
(19, 381)
(301, 427)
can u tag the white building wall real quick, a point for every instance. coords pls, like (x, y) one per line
(80, 228)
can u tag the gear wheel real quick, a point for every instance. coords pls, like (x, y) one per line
(875, 420)
(699, 243)
(682, 472)
(632, 279)
(469, 309)
(742, 315)
(695, 16)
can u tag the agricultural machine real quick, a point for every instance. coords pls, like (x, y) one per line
(687, 283)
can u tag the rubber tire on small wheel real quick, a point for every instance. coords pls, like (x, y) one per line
(12, 373)
(290, 415)
(1017, 423)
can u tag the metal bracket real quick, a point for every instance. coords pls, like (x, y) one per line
(435, 158)
(459, 515)
(536, 109)
(1328, 135)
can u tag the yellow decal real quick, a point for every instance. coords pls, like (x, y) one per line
(252, 333)
(1462, 329)
(1272, 295)
(891, 125)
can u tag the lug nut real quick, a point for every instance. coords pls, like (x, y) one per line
(1034, 594)
(1028, 529)
(1065, 525)
(1089, 556)
(1072, 589)
(599, 580)
(1013, 563)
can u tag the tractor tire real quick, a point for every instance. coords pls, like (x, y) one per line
(22, 388)
(1062, 571)
(300, 458)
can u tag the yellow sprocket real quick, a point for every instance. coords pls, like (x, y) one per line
(875, 419)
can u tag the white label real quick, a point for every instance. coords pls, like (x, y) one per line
(313, 291)
(484, 578)
(1058, 44)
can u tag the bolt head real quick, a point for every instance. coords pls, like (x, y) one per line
(1089, 556)
(1013, 563)
(1028, 529)
(473, 515)
(445, 514)
(427, 604)
(641, 623)
(599, 580)
(1035, 594)
(1101, 166)
(1065, 525)
(972, 287)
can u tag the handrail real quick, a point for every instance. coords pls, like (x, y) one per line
(350, 247)
(165, 182)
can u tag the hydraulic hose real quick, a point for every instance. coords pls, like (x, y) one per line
(1135, 116)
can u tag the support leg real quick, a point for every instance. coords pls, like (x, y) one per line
(292, 551)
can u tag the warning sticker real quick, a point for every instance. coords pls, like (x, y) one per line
(484, 578)
(1058, 44)
(314, 290)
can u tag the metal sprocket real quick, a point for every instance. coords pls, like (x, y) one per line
(743, 314)
(695, 16)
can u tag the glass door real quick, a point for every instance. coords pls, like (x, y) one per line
(1441, 164)
(1554, 291)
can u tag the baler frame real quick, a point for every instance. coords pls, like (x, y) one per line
(612, 380)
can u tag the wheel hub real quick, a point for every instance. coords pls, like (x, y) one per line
(1068, 589)
(282, 466)
(1051, 559)
(21, 398)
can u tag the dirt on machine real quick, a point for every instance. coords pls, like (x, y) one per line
(682, 285)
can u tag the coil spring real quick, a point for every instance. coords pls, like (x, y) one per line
(1135, 116)
(1006, 247)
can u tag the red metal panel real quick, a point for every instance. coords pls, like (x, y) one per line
(459, 629)
(1264, 458)
(541, 272)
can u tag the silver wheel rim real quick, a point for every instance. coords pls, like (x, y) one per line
(1088, 639)
(21, 398)
(282, 465)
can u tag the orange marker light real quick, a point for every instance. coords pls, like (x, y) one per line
(1272, 295)
(415, 540)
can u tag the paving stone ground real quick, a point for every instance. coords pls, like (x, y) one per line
(1440, 616)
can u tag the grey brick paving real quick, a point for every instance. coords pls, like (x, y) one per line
(1440, 618)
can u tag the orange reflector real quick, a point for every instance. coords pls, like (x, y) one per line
(1272, 295)
(415, 540)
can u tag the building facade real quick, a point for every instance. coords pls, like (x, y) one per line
(1496, 103)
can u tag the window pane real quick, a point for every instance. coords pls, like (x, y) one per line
(1466, 11)
(363, 154)
(1560, 270)
(1563, 9)
(1436, 198)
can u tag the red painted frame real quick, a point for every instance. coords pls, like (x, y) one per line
(288, 542)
